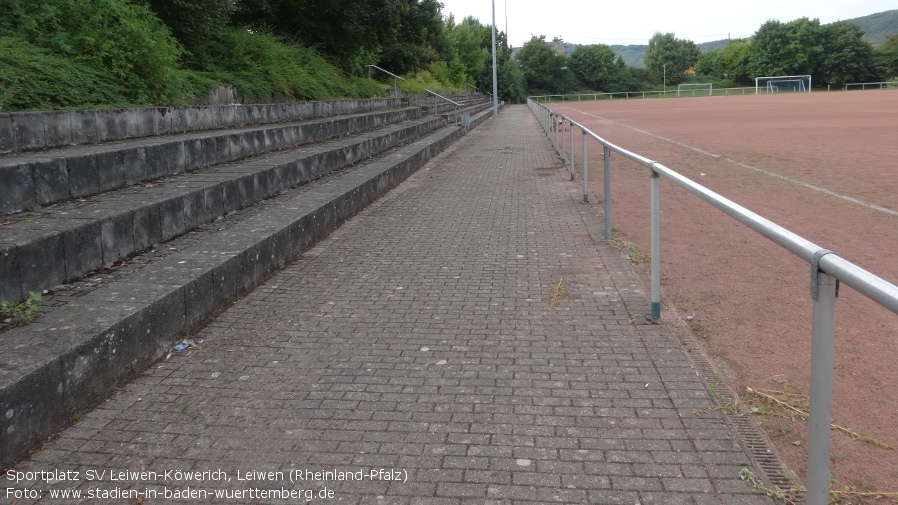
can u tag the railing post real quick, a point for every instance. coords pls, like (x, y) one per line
(554, 126)
(563, 154)
(821, 387)
(606, 158)
(585, 164)
(585, 173)
(572, 168)
(656, 245)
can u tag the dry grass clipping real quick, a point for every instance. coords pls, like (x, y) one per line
(557, 291)
(784, 401)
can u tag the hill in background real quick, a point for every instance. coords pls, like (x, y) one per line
(875, 27)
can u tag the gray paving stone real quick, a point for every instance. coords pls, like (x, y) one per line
(419, 338)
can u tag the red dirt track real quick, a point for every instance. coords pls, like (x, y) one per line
(749, 297)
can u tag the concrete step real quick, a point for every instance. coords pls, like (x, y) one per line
(66, 241)
(437, 106)
(33, 179)
(453, 116)
(90, 342)
(35, 130)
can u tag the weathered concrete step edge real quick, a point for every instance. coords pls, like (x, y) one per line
(83, 351)
(70, 243)
(30, 130)
(32, 180)
(473, 110)
(441, 107)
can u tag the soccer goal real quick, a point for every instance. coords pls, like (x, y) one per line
(783, 84)
(690, 89)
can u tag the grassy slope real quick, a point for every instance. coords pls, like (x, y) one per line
(258, 65)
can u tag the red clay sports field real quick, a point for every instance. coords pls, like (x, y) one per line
(823, 165)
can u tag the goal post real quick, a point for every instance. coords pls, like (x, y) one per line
(690, 88)
(783, 84)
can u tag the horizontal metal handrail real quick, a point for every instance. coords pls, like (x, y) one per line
(453, 102)
(827, 270)
(443, 97)
(384, 71)
(395, 90)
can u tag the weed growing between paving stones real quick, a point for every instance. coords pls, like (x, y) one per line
(774, 492)
(21, 313)
(76, 416)
(634, 254)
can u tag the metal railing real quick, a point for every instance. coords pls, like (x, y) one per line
(632, 95)
(395, 77)
(441, 97)
(871, 85)
(827, 271)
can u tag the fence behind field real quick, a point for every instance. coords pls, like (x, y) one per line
(854, 86)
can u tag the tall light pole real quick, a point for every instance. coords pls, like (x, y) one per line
(495, 82)
(665, 78)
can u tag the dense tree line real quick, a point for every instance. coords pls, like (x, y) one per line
(833, 54)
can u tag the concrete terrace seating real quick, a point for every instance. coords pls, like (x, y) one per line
(142, 224)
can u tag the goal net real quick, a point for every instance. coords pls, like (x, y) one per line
(783, 84)
(695, 88)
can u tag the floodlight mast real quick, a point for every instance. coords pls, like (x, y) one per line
(495, 73)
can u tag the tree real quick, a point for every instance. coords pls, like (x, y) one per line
(736, 61)
(192, 21)
(667, 56)
(848, 57)
(693, 50)
(418, 40)
(542, 68)
(794, 48)
(352, 32)
(511, 87)
(468, 38)
(710, 63)
(593, 65)
(885, 58)
(124, 37)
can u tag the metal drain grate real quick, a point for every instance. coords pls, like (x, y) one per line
(755, 443)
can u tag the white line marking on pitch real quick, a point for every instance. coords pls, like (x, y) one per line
(749, 167)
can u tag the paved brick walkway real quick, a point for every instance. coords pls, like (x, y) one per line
(418, 343)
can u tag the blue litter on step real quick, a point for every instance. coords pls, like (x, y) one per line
(181, 347)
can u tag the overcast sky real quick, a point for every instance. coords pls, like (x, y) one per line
(634, 22)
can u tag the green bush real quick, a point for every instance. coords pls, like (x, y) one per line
(124, 38)
(33, 78)
(264, 66)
